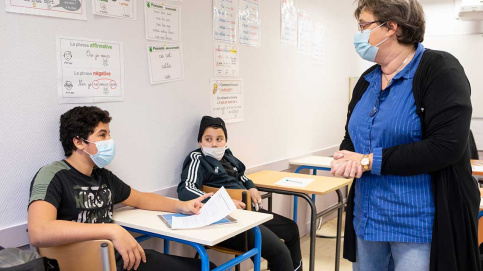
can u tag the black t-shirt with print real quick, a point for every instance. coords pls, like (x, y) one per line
(77, 197)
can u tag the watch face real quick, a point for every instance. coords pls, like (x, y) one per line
(365, 161)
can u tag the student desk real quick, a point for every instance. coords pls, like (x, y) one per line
(477, 163)
(265, 181)
(310, 162)
(148, 223)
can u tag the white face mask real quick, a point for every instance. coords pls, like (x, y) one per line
(216, 153)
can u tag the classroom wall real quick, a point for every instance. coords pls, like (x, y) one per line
(292, 107)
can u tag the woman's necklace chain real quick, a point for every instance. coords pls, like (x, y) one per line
(398, 69)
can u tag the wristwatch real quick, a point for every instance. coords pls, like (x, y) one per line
(365, 162)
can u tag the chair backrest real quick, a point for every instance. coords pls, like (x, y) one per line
(238, 194)
(80, 256)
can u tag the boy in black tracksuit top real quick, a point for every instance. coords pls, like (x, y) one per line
(214, 165)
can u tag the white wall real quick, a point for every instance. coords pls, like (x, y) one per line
(464, 40)
(292, 107)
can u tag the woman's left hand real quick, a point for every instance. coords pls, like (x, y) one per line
(347, 164)
(256, 198)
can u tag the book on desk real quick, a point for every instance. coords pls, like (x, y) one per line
(168, 218)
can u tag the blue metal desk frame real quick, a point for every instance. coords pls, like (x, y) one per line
(205, 262)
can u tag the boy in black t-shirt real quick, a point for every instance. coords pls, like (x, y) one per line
(72, 200)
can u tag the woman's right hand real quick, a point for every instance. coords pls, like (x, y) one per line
(132, 253)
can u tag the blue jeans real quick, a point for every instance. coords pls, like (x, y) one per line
(379, 256)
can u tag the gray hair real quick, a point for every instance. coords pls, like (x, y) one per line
(408, 14)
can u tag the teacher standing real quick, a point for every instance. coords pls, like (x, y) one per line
(414, 204)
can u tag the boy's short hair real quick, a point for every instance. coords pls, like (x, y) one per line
(80, 122)
(208, 121)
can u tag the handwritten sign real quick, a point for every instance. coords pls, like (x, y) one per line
(318, 37)
(304, 33)
(165, 63)
(70, 9)
(249, 23)
(124, 9)
(90, 71)
(162, 21)
(288, 29)
(225, 21)
(227, 60)
(227, 100)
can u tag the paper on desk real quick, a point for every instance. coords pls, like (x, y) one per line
(477, 168)
(219, 206)
(295, 182)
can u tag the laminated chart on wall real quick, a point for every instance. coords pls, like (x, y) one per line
(225, 20)
(89, 71)
(318, 40)
(227, 100)
(249, 23)
(123, 9)
(288, 26)
(227, 62)
(163, 22)
(165, 63)
(304, 25)
(69, 9)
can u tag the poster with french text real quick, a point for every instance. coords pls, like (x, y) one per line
(227, 62)
(163, 21)
(165, 63)
(318, 39)
(249, 22)
(304, 24)
(69, 9)
(225, 20)
(288, 29)
(89, 71)
(227, 100)
(122, 9)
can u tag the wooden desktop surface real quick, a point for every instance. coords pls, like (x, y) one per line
(321, 185)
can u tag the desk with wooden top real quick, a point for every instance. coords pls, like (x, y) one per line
(148, 223)
(265, 181)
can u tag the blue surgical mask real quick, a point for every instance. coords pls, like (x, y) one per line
(105, 152)
(363, 47)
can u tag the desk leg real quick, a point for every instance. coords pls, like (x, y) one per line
(313, 218)
(258, 246)
(166, 246)
(339, 229)
(205, 261)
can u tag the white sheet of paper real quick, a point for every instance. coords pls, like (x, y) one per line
(477, 168)
(227, 60)
(225, 20)
(227, 100)
(288, 27)
(304, 24)
(317, 43)
(124, 9)
(163, 22)
(219, 206)
(249, 23)
(69, 9)
(295, 182)
(89, 71)
(165, 63)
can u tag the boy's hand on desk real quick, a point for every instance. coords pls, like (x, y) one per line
(193, 206)
(239, 204)
(256, 198)
(132, 253)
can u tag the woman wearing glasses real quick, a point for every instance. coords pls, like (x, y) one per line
(414, 204)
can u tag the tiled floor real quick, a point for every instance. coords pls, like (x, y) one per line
(324, 251)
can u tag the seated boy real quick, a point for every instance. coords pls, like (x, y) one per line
(72, 200)
(214, 165)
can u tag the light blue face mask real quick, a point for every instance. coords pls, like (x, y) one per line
(105, 152)
(363, 47)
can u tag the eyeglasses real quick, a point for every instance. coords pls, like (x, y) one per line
(363, 26)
